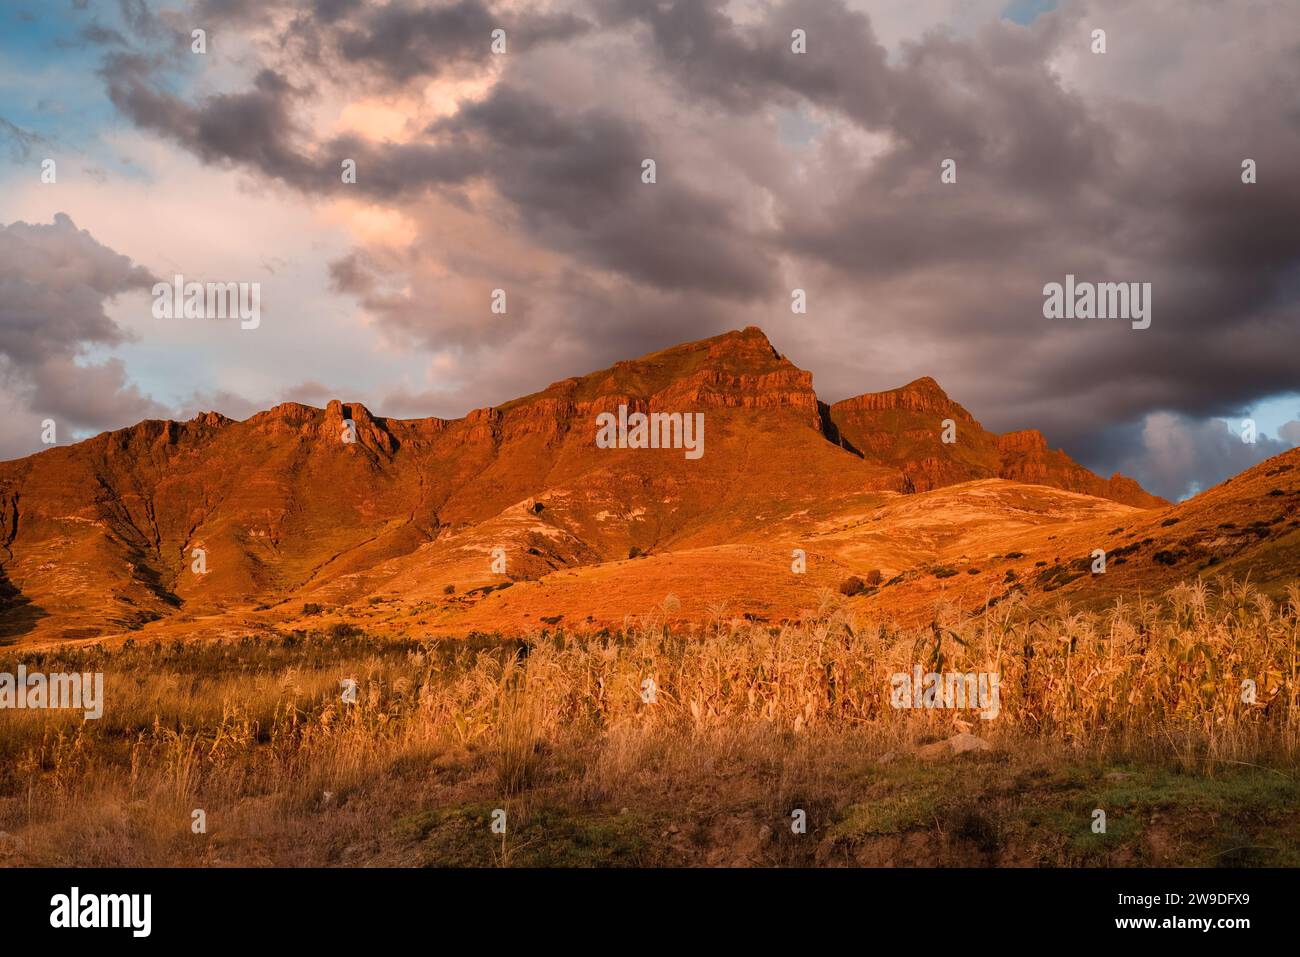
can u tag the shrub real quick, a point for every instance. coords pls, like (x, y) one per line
(311, 608)
(873, 577)
(851, 586)
(1166, 557)
(1169, 521)
(634, 552)
(1058, 576)
(943, 572)
(449, 590)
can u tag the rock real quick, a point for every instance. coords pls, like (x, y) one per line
(961, 743)
(957, 744)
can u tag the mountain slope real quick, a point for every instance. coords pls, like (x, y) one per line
(102, 537)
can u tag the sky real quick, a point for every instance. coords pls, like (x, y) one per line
(775, 170)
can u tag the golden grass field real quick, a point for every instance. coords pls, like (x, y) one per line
(1136, 710)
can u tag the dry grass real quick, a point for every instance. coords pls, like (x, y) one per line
(748, 715)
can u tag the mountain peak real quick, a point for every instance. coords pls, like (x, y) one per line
(211, 419)
(924, 384)
(922, 395)
(745, 345)
(904, 428)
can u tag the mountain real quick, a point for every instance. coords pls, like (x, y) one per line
(400, 528)
(898, 428)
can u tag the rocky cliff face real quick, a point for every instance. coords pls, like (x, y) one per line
(1023, 442)
(904, 428)
(920, 397)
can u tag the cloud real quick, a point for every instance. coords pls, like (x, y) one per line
(1175, 456)
(252, 128)
(747, 66)
(90, 396)
(21, 142)
(402, 41)
(220, 400)
(309, 392)
(54, 282)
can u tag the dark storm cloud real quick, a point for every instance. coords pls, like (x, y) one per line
(258, 128)
(402, 40)
(573, 178)
(1175, 456)
(233, 12)
(1024, 148)
(254, 127)
(576, 181)
(1049, 183)
(406, 40)
(746, 66)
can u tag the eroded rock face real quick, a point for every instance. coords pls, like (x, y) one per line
(101, 536)
(1023, 442)
(923, 395)
(904, 427)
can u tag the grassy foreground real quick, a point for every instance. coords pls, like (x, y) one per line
(1137, 712)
